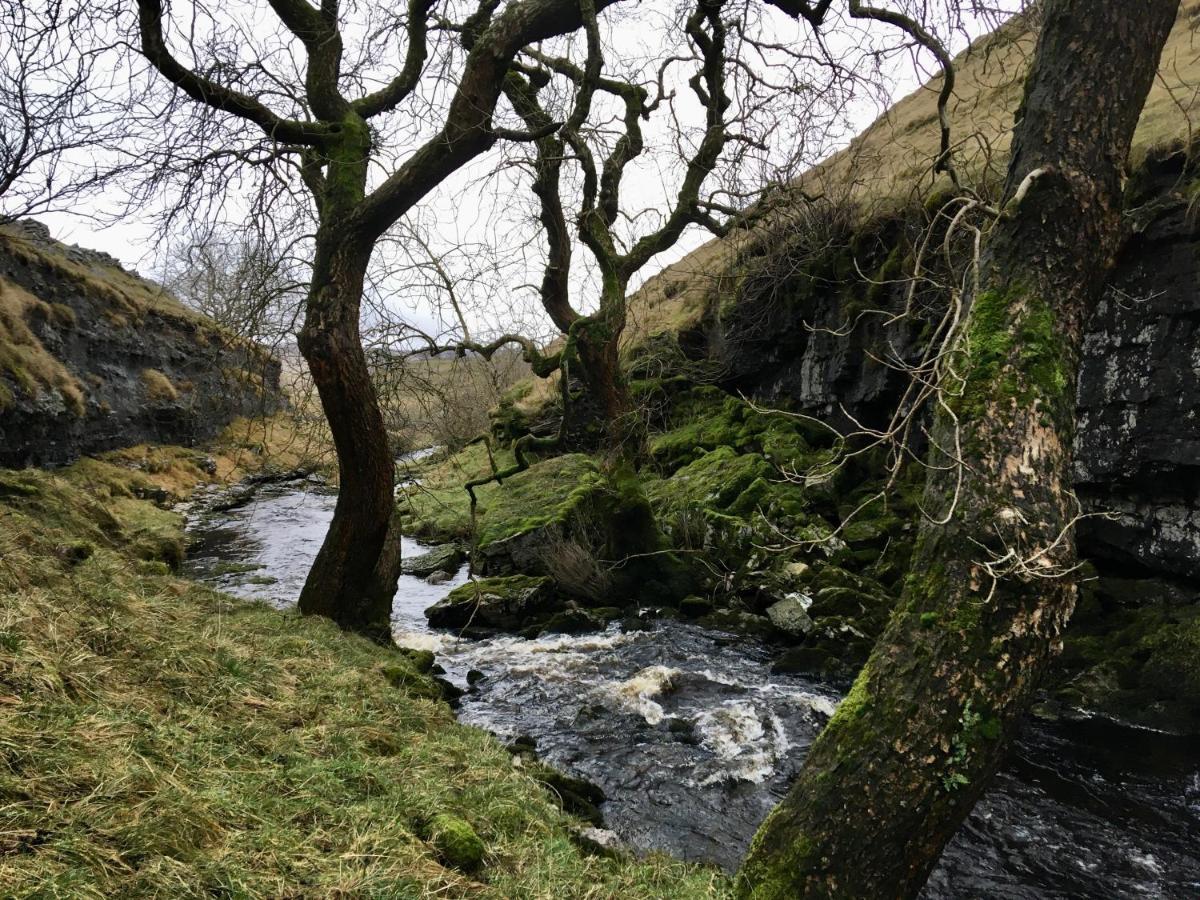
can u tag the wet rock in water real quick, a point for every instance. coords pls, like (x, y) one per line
(422, 660)
(571, 621)
(438, 577)
(739, 622)
(474, 676)
(681, 730)
(808, 660)
(694, 607)
(790, 615)
(522, 744)
(445, 559)
(577, 796)
(501, 603)
(456, 843)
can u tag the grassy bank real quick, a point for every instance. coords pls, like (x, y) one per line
(160, 739)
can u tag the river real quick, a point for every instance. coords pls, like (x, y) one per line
(693, 739)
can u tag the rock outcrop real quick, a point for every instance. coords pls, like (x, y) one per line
(1138, 443)
(93, 358)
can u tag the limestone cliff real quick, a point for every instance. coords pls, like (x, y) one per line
(93, 357)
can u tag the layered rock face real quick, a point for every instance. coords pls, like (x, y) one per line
(1138, 443)
(93, 357)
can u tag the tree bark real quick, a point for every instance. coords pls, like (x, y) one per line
(354, 576)
(924, 728)
(600, 362)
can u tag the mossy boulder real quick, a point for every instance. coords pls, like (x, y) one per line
(455, 842)
(506, 603)
(790, 615)
(705, 418)
(547, 493)
(1132, 651)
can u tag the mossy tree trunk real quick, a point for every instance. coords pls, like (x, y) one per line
(600, 359)
(913, 746)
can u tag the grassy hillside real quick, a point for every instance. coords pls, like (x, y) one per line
(890, 163)
(160, 739)
(125, 298)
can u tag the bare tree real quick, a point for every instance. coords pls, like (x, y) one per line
(321, 119)
(244, 282)
(734, 165)
(58, 126)
(913, 746)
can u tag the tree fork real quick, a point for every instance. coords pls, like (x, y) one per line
(915, 743)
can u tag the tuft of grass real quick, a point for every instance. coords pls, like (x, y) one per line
(160, 739)
(158, 386)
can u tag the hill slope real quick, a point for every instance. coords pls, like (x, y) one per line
(890, 163)
(93, 357)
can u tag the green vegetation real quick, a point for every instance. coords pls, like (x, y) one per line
(548, 492)
(1133, 651)
(160, 738)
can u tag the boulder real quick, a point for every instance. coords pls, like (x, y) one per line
(790, 615)
(447, 558)
(502, 603)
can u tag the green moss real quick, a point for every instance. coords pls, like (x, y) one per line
(1016, 354)
(505, 587)
(548, 492)
(1133, 651)
(456, 842)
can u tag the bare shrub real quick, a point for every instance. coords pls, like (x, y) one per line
(575, 568)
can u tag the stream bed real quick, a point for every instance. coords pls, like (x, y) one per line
(693, 740)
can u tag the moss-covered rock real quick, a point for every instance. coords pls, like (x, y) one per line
(1133, 651)
(446, 558)
(705, 418)
(506, 603)
(456, 843)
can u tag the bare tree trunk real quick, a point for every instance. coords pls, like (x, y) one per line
(927, 722)
(354, 575)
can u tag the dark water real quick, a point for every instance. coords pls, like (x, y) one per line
(693, 740)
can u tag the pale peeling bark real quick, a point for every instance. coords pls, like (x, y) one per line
(926, 724)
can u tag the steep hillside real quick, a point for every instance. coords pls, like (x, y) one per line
(93, 357)
(890, 164)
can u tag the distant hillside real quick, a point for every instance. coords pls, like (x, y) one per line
(890, 163)
(93, 357)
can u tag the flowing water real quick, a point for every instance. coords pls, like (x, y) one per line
(693, 740)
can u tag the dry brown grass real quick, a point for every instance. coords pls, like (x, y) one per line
(127, 294)
(23, 358)
(158, 386)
